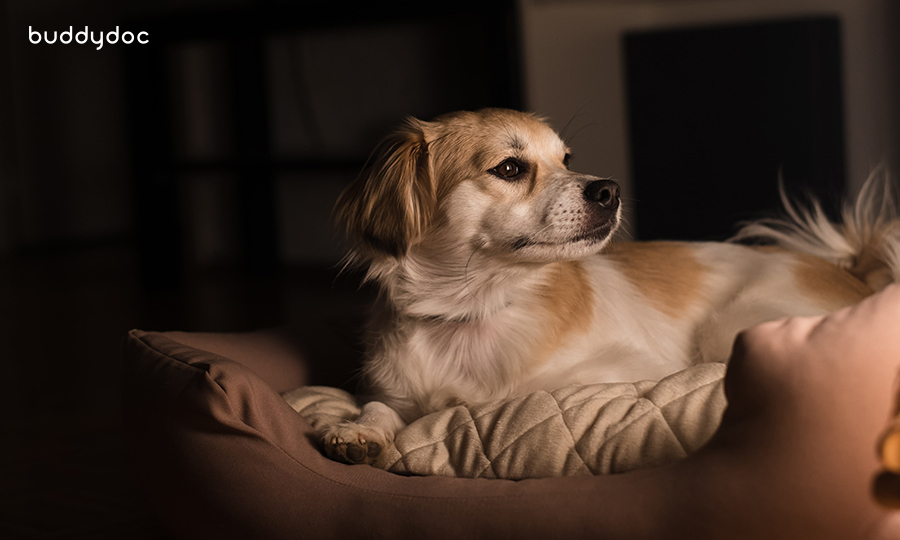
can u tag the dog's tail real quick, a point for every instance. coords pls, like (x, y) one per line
(866, 243)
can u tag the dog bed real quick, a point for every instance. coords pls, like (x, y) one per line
(589, 429)
(221, 454)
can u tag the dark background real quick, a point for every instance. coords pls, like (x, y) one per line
(187, 184)
(755, 102)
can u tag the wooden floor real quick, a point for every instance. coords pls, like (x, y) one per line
(63, 473)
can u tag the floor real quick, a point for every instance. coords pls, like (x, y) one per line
(63, 472)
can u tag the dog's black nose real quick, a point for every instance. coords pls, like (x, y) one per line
(603, 192)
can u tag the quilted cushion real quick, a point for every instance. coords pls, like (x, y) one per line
(587, 429)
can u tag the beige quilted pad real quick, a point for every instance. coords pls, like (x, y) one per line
(579, 429)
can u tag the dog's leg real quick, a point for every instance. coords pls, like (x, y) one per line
(367, 439)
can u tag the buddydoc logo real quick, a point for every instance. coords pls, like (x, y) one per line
(82, 36)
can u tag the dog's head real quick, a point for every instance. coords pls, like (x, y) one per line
(495, 180)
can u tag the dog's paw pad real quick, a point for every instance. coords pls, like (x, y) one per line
(354, 453)
(374, 449)
(353, 444)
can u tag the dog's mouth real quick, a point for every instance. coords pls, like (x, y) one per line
(594, 236)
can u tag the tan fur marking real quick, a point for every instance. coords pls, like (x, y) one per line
(666, 273)
(832, 287)
(568, 301)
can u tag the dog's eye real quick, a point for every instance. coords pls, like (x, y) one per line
(566, 159)
(508, 170)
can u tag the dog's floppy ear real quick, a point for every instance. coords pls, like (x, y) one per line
(387, 208)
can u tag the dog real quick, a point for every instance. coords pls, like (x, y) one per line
(498, 274)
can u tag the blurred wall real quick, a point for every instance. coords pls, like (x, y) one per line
(64, 164)
(574, 70)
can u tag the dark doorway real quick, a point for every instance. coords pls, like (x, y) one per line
(717, 114)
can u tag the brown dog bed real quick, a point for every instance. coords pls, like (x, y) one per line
(222, 455)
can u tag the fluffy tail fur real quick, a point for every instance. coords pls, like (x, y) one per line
(866, 243)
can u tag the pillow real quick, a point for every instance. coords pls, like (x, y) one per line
(586, 429)
(220, 454)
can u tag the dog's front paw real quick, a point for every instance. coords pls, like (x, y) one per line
(355, 443)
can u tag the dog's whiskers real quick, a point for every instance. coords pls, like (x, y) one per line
(541, 231)
(568, 140)
(562, 133)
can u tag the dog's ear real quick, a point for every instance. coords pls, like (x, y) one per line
(388, 207)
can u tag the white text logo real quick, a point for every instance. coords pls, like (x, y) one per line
(83, 36)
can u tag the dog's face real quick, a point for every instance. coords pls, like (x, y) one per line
(495, 180)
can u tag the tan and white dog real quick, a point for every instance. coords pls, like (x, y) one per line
(498, 276)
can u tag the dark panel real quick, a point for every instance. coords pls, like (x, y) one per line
(157, 202)
(256, 184)
(716, 113)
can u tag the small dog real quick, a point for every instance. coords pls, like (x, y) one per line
(498, 276)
